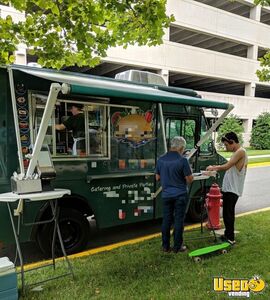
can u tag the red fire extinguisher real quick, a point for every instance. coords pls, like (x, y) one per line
(213, 204)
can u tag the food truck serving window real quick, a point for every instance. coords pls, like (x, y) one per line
(76, 129)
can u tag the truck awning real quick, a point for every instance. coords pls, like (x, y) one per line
(100, 86)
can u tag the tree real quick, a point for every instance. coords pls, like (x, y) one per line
(67, 32)
(232, 123)
(260, 135)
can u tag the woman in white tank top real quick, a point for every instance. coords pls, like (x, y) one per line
(233, 182)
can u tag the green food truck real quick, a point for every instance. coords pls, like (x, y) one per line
(126, 127)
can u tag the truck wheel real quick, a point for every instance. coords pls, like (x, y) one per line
(75, 231)
(196, 209)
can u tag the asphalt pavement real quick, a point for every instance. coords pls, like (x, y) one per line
(256, 190)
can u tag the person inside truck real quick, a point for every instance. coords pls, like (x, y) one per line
(233, 182)
(174, 172)
(76, 123)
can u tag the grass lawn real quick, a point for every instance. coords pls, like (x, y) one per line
(142, 271)
(250, 152)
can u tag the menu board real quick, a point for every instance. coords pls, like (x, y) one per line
(23, 119)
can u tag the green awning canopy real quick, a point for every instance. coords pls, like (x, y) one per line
(149, 94)
(99, 86)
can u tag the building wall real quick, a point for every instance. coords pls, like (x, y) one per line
(174, 57)
(187, 59)
(193, 60)
(196, 15)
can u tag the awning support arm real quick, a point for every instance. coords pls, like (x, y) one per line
(164, 142)
(210, 131)
(162, 127)
(54, 91)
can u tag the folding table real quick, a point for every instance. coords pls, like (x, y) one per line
(50, 196)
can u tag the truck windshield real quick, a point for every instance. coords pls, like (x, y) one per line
(207, 147)
(181, 127)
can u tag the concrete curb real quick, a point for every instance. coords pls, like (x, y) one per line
(261, 164)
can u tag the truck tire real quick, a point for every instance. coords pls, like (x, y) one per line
(196, 211)
(75, 231)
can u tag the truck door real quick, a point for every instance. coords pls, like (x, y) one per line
(176, 126)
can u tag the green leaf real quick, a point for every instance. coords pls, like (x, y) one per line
(66, 33)
(55, 10)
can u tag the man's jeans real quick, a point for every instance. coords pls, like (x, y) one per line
(173, 210)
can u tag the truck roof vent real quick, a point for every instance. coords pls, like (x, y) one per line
(141, 77)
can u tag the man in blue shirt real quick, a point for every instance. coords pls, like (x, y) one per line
(174, 172)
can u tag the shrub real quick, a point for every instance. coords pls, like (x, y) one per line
(260, 135)
(232, 123)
